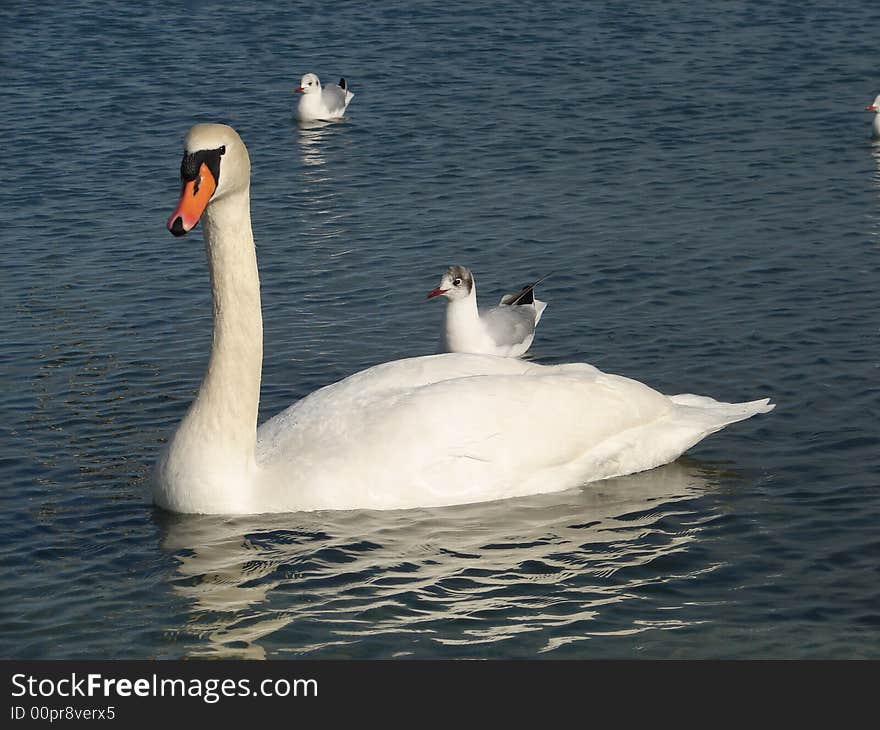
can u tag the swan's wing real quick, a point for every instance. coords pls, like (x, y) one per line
(456, 428)
(382, 381)
(449, 429)
(509, 325)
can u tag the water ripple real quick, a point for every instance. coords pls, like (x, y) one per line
(709, 205)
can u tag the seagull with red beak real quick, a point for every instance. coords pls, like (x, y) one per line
(506, 329)
(320, 104)
(875, 107)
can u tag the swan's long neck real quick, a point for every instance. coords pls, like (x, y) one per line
(463, 329)
(230, 391)
(218, 434)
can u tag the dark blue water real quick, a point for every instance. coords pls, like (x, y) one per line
(701, 183)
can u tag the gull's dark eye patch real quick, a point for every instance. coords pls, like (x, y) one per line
(192, 162)
(456, 282)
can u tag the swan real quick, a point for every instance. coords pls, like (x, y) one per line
(318, 103)
(875, 107)
(420, 432)
(506, 329)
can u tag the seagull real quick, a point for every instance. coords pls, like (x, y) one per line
(875, 107)
(506, 329)
(318, 103)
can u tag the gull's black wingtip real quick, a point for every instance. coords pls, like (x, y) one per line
(526, 295)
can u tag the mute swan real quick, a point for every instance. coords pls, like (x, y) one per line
(317, 103)
(506, 329)
(875, 107)
(420, 432)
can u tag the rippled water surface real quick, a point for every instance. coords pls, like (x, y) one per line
(699, 180)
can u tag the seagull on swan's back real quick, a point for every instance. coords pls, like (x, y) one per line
(506, 329)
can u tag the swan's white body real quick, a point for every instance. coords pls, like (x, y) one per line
(875, 126)
(505, 330)
(427, 431)
(318, 103)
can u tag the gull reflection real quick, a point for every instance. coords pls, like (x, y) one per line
(322, 214)
(875, 153)
(875, 181)
(311, 137)
(324, 582)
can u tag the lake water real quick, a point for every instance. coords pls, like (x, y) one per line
(698, 178)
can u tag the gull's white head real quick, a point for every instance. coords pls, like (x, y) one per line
(457, 282)
(215, 164)
(874, 106)
(309, 84)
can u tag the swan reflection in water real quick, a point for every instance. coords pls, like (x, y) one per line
(322, 582)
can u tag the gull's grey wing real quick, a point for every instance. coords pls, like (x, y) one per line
(335, 98)
(509, 326)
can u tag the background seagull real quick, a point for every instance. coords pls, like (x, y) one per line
(875, 107)
(318, 103)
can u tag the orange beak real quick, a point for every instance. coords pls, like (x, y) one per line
(435, 293)
(194, 199)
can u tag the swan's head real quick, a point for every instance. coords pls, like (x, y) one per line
(215, 164)
(457, 282)
(874, 106)
(309, 84)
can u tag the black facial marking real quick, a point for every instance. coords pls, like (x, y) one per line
(192, 162)
(460, 272)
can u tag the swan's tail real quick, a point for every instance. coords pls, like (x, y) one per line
(710, 415)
